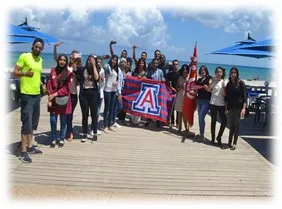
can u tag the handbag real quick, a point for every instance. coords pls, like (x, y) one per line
(61, 101)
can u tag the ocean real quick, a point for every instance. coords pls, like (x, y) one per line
(246, 72)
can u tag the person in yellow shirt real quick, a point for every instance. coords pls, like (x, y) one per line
(28, 68)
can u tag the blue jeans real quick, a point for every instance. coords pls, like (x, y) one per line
(109, 99)
(117, 108)
(53, 123)
(30, 113)
(203, 109)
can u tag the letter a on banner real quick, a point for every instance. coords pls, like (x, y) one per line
(147, 101)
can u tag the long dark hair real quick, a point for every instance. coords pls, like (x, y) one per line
(88, 66)
(223, 71)
(136, 71)
(116, 66)
(62, 70)
(182, 69)
(237, 72)
(205, 69)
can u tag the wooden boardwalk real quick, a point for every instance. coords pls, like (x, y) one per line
(138, 163)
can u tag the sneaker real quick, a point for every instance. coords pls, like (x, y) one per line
(24, 157)
(116, 125)
(61, 143)
(98, 133)
(33, 150)
(84, 139)
(53, 144)
(200, 137)
(219, 141)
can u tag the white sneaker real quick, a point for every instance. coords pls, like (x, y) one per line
(116, 125)
(98, 133)
(84, 139)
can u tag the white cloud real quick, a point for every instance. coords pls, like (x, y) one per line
(127, 26)
(232, 21)
(66, 24)
(130, 26)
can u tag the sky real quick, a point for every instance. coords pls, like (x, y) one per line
(173, 30)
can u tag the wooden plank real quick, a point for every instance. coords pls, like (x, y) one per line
(141, 161)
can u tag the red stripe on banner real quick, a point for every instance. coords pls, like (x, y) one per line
(163, 113)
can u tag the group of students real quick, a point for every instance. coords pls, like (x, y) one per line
(98, 83)
(227, 100)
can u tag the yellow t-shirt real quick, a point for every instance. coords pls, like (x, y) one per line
(31, 85)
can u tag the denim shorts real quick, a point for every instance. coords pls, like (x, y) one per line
(30, 112)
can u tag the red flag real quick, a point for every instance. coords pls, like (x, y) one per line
(189, 105)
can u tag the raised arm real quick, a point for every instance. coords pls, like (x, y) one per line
(95, 72)
(111, 47)
(55, 50)
(134, 53)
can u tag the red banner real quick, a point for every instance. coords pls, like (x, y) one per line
(189, 105)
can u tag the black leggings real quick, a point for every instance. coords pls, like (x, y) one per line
(234, 124)
(70, 116)
(221, 110)
(89, 100)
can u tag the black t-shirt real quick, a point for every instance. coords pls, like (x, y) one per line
(172, 78)
(235, 95)
(202, 93)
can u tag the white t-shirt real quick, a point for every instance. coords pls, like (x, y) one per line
(217, 97)
(111, 79)
(102, 83)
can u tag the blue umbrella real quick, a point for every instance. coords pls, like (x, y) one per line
(21, 39)
(266, 45)
(26, 34)
(249, 48)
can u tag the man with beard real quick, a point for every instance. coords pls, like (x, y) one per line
(28, 68)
